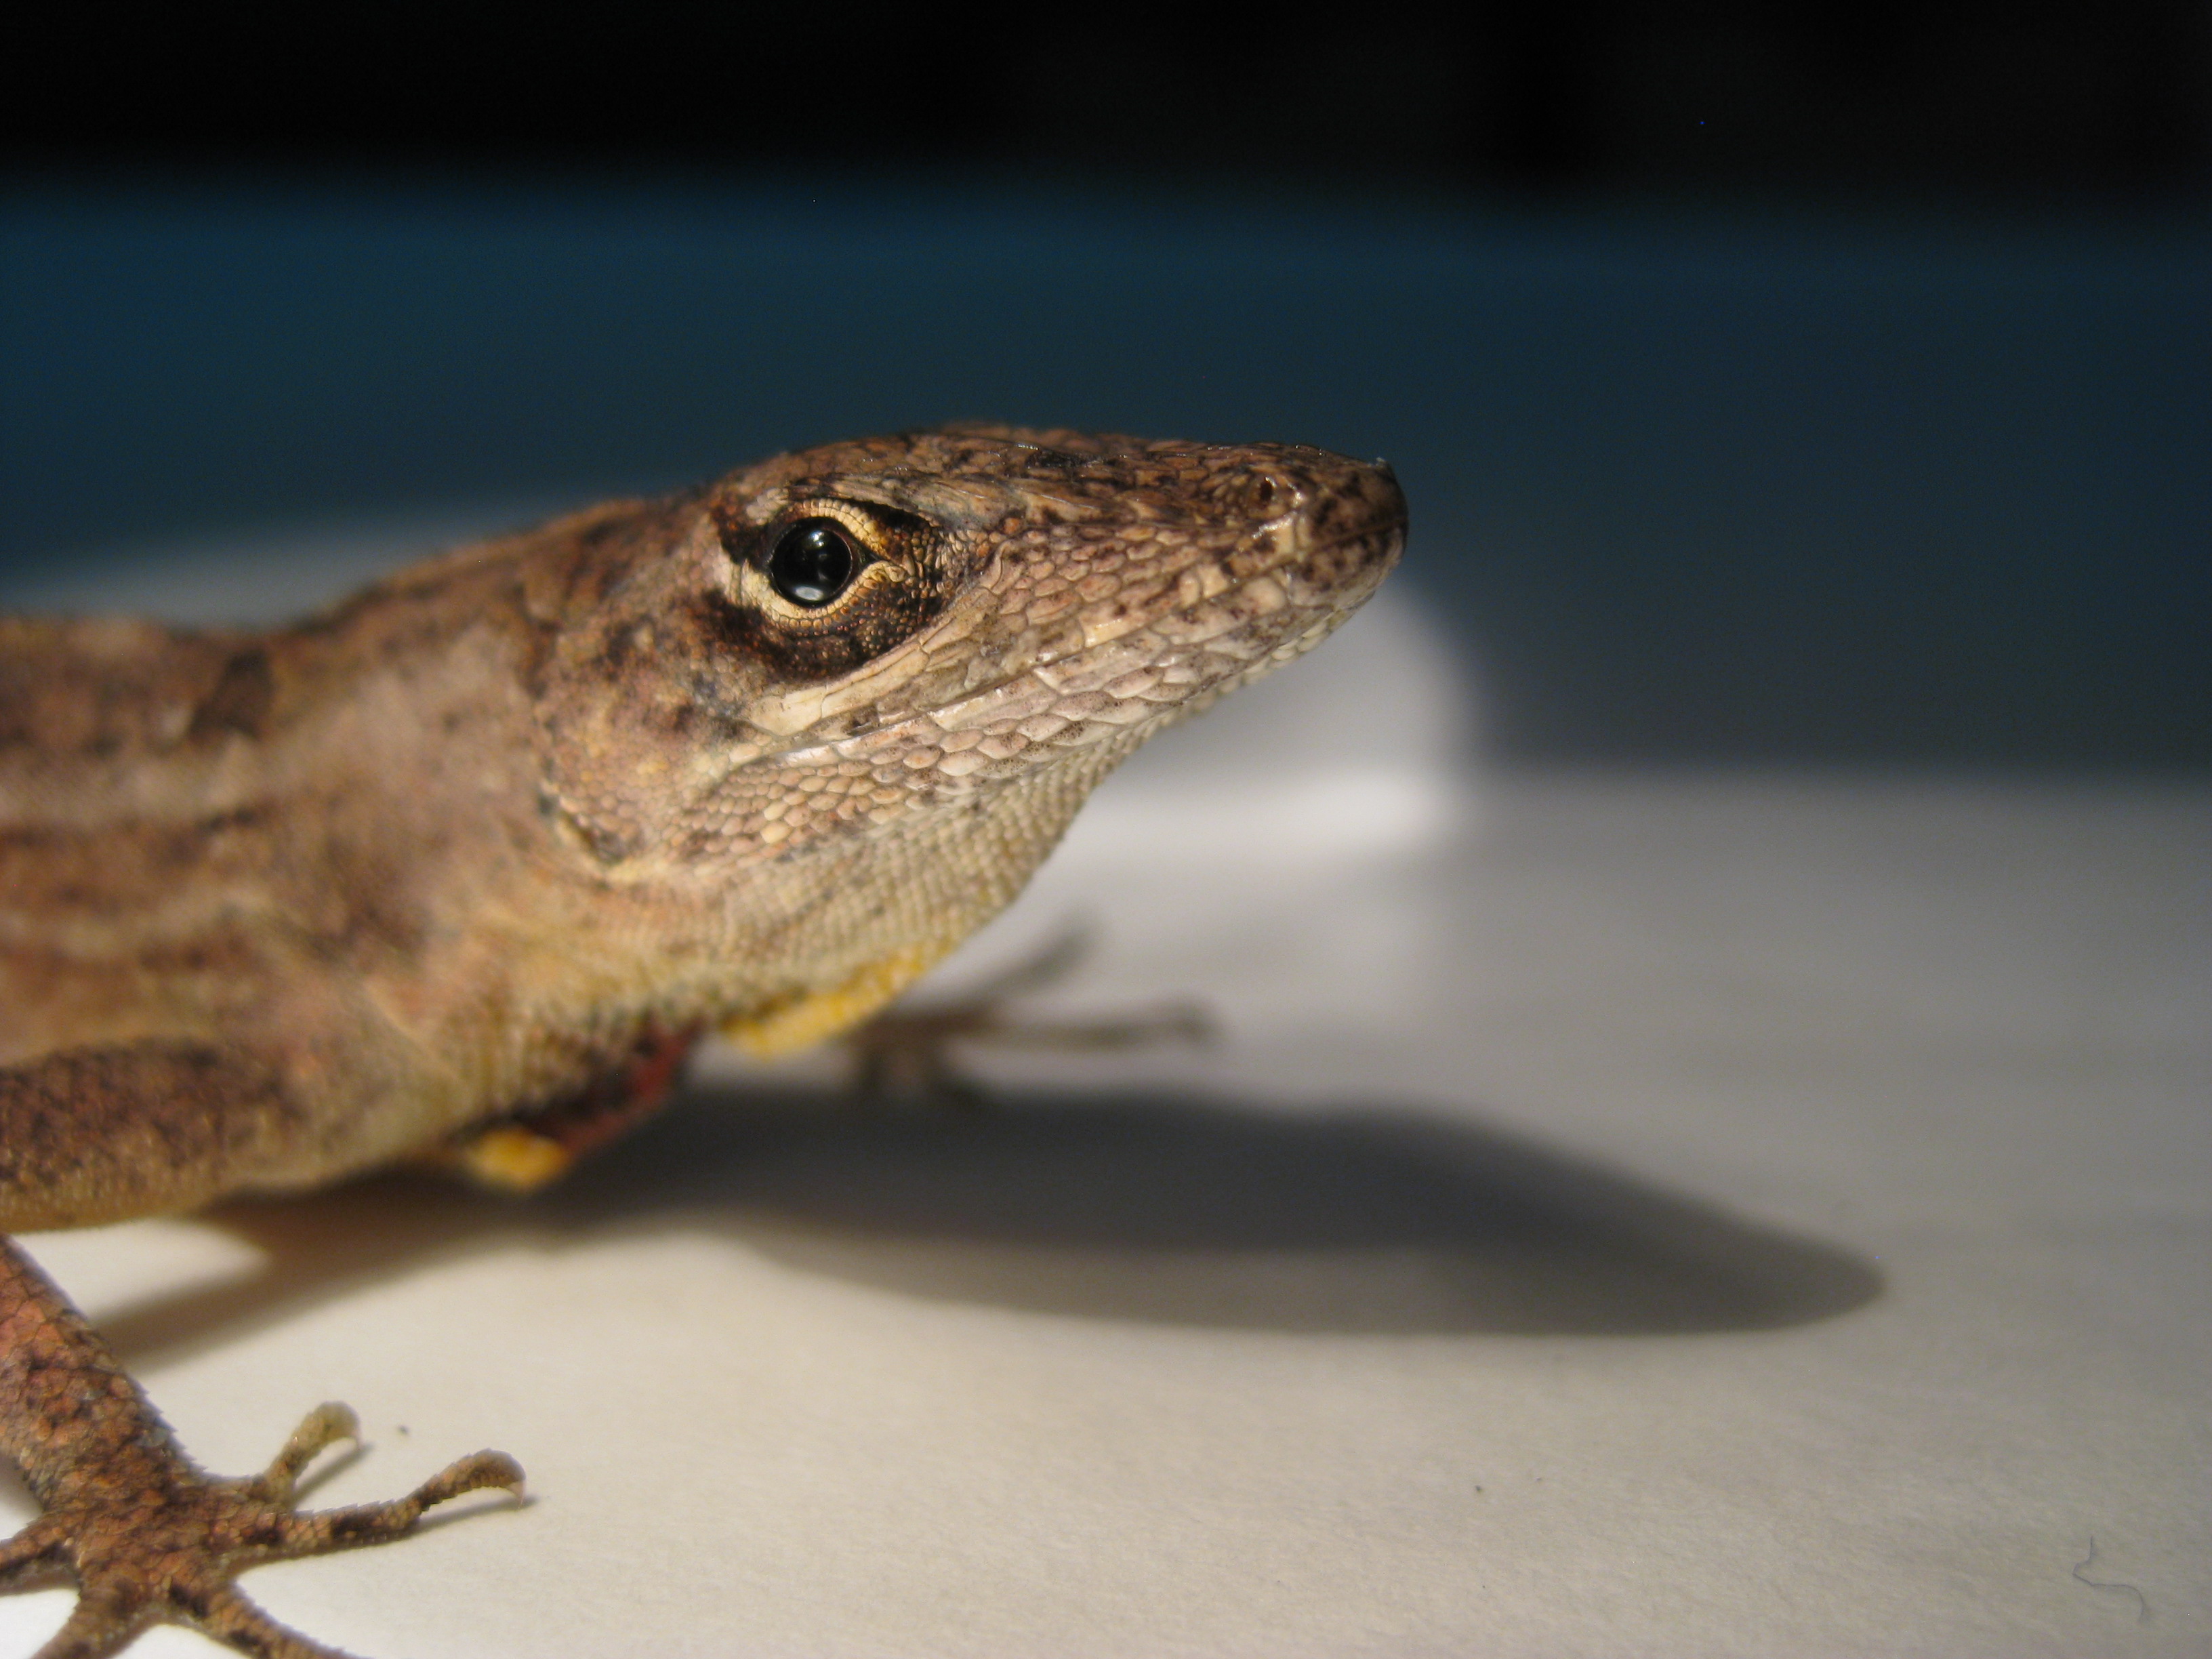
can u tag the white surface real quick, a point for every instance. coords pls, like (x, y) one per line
(1623, 1216)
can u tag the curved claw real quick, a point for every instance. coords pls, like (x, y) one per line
(325, 1425)
(320, 1531)
(168, 1554)
(149, 1537)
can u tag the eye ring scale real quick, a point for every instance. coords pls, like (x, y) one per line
(812, 562)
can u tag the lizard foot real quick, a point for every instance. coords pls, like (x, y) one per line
(908, 1049)
(164, 1551)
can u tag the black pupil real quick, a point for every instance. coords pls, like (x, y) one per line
(812, 562)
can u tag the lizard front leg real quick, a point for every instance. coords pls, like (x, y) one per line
(147, 1536)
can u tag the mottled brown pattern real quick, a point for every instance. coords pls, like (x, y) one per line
(457, 866)
(147, 1535)
(133, 1128)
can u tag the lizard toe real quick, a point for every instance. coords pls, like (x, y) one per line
(35, 1556)
(169, 1555)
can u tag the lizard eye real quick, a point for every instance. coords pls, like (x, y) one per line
(812, 562)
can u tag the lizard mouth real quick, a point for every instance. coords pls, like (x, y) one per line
(1110, 678)
(1107, 612)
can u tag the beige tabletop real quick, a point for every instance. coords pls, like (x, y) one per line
(1618, 1214)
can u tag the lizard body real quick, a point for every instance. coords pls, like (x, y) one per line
(460, 867)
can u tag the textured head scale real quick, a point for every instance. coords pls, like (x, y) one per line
(1021, 601)
(832, 712)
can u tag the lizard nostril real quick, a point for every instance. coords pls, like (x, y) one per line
(1267, 494)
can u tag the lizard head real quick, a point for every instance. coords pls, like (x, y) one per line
(828, 644)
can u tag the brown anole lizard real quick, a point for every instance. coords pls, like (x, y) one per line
(462, 867)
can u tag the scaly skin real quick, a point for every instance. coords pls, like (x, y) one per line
(460, 868)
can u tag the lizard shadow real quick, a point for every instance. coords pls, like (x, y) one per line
(1150, 1207)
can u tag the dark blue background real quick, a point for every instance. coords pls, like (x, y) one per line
(1712, 489)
